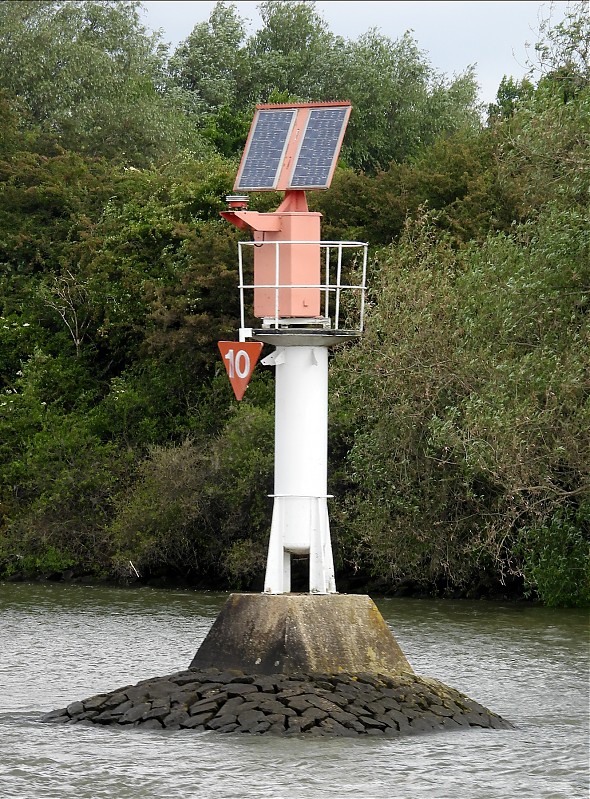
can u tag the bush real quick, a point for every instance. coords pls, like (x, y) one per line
(467, 408)
(200, 509)
(556, 558)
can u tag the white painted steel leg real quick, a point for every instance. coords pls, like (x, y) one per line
(300, 523)
(321, 564)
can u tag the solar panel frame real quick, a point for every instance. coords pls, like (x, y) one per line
(275, 156)
(261, 164)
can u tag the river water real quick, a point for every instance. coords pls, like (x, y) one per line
(59, 643)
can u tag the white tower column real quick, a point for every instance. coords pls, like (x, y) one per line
(300, 523)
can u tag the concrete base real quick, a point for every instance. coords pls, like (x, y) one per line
(301, 634)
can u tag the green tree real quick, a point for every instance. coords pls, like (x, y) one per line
(456, 177)
(199, 503)
(543, 146)
(90, 78)
(508, 97)
(293, 52)
(211, 62)
(468, 405)
(400, 105)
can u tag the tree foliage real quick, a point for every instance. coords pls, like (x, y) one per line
(90, 78)
(469, 392)
(458, 436)
(400, 105)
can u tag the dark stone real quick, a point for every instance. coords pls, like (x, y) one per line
(423, 724)
(441, 711)
(279, 719)
(87, 715)
(187, 678)
(345, 718)
(398, 718)
(389, 704)
(454, 707)
(497, 723)
(297, 724)
(318, 732)
(210, 689)
(234, 675)
(204, 705)
(335, 728)
(290, 690)
(115, 699)
(193, 723)
(230, 706)
(387, 721)
(326, 684)
(372, 723)
(277, 729)
(135, 713)
(137, 694)
(159, 713)
(475, 719)
(56, 716)
(94, 702)
(412, 711)
(107, 717)
(298, 703)
(376, 707)
(232, 727)
(450, 723)
(339, 699)
(120, 710)
(221, 721)
(318, 705)
(262, 696)
(320, 702)
(183, 698)
(370, 679)
(241, 689)
(74, 709)
(315, 714)
(152, 724)
(394, 693)
(156, 690)
(176, 718)
(358, 710)
(345, 691)
(199, 719)
(245, 707)
(274, 706)
(259, 728)
(249, 718)
(266, 684)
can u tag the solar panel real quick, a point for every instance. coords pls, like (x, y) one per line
(292, 147)
(265, 150)
(313, 166)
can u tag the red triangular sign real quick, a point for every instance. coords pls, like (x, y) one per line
(239, 359)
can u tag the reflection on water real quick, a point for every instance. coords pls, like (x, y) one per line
(60, 643)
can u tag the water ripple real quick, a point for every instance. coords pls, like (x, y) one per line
(61, 643)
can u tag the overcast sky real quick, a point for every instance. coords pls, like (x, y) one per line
(491, 36)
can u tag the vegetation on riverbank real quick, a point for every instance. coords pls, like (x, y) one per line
(459, 445)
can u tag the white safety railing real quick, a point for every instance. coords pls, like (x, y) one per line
(334, 252)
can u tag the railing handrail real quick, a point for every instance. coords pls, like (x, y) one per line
(328, 287)
(304, 241)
